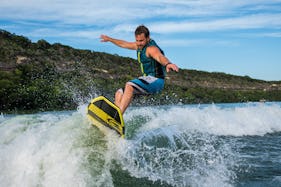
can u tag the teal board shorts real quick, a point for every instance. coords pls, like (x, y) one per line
(147, 85)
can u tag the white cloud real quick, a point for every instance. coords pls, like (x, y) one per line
(275, 34)
(246, 22)
(91, 34)
(116, 12)
(263, 34)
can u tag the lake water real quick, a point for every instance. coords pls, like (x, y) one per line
(188, 145)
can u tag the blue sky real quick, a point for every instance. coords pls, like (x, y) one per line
(240, 37)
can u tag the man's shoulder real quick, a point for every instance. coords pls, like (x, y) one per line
(152, 48)
(152, 42)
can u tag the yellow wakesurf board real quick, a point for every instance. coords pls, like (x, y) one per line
(103, 112)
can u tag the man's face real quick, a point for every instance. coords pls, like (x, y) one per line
(141, 40)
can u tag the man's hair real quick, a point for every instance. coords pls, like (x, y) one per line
(142, 29)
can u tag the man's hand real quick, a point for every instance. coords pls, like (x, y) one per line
(104, 38)
(172, 67)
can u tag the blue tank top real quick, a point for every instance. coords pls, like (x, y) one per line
(149, 66)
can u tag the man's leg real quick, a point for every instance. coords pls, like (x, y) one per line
(122, 100)
(118, 96)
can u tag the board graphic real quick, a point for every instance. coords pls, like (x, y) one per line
(101, 111)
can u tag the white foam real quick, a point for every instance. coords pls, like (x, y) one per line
(242, 120)
(46, 150)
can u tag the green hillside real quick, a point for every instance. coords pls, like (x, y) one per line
(41, 76)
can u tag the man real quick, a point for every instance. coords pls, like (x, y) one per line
(153, 65)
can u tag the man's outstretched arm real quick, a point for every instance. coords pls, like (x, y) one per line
(120, 43)
(155, 53)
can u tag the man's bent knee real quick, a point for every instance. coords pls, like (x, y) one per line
(129, 88)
